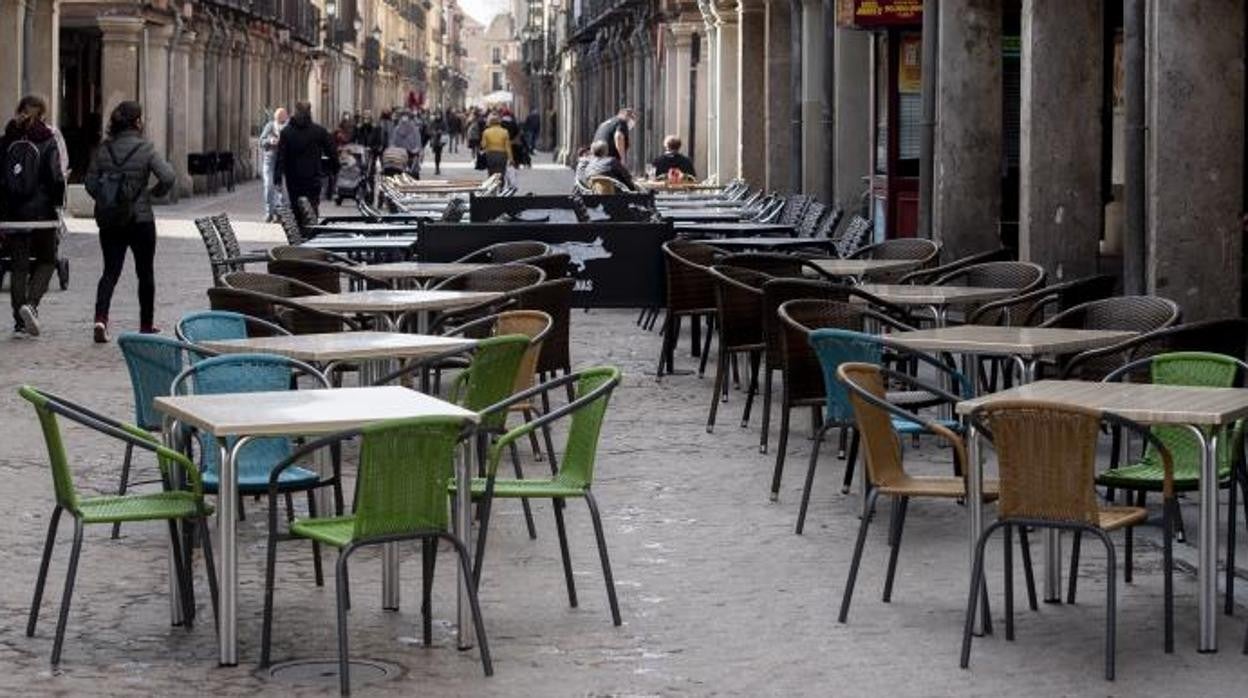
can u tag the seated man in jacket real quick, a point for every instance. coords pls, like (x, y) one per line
(600, 162)
(672, 158)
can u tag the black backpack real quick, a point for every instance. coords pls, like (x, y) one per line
(116, 193)
(21, 171)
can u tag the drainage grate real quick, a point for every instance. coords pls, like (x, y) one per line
(324, 672)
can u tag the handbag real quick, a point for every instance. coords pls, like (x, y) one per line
(480, 163)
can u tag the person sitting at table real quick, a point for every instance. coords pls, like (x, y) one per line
(673, 159)
(600, 163)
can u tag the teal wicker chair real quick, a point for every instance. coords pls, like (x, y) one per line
(404, 468)
(170, 504)
(576, 470)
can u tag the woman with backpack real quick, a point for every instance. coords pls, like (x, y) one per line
(117, 180)
(32, 185)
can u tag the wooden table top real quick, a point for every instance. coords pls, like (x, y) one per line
(303, 412)
(1143, 402)
(343, 346)
(420, 270)
(390, 301)
(858, 267)
(1009, 341)
(922, 294)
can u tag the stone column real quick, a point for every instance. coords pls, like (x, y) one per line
(967, 197)
(119, 61)
(777, 106)
(156, 87)
(197, 88)
(225, 88)
(45, 54)
(179, 127)
(12, 15)
(711, 70)
(1060, 210)
(815, 136)
(243, 165)
(700, 90)
(1195, 156)
(752, 71)
(853, 116)
(728, 103)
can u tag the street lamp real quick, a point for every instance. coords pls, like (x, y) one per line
(331, 8)
(377, 34)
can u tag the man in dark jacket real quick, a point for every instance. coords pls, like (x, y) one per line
(30, 195)
(300, 150)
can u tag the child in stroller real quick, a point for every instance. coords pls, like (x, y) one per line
(353, 180)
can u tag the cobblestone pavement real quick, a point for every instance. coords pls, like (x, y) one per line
(719, 597)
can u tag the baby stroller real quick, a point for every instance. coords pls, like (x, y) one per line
(352, 181)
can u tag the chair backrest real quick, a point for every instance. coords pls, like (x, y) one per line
(208, 325)
(290, 225)
(794, 206)
(834, 347)
(404, 467)
(228, 238)
(1228, 336)
(1023, 276)
(605, 186)
(880, 441)
(491, 376)
(1046, 455)
(776, 293)
(739, 302)
(554, 265)
(689, 285)
(930, 274)
(576, 468)
(305, 212)
(918, 249)
(535, 325)
(243, 302)
(826, 228)
(497, 277)
(314, 254)
(245, 373)
(555, 299)
(809, 222)
(212, 241)
(770, 263)
(1132, 313)
(851, 237)
(269, 284)
(505, 252)
(153, 362)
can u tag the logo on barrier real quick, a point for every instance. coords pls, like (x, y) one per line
(582, 252)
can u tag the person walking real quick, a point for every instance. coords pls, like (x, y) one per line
(532, 129)
(454, 128)
(496, 146)
(302, 149)
(407, 136)
(268, 145)
(615, 133)
(32, 186)
(117, 179)
(437, 140)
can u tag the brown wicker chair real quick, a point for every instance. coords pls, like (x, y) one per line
(885, 471)
(500, 278)
(927, 276)
(555, 299)
(1131, 313)
(849, 239)
(690, 293)
(1046, 454)
(794, 207)
(739, 305)
(504, 252)
(809, 222)
(295, 317)
(1023, 276)
(922, 250)
(771, 263)
(290, 225)
(555, 265)
(271, 284)
(1028, 309)
(310, 253)
(326, 276)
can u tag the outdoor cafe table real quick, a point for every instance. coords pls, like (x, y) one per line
(373, 244)
(1195, 408)
(389, 305)
(738, 229)
(705, 215)
(857, 268)
(364, 228)
(935, 297)
(768, 243)
(301, 413)
(1026, 345)
(421, 272)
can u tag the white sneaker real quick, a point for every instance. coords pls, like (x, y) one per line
(30, 319)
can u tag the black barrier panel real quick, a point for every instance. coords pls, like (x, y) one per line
(616, 265)
(619, 207)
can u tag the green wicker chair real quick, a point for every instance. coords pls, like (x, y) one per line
(575, 476)
(1148, 474)
(404, 467)
(171, 505)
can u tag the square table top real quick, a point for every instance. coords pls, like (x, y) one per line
(858, 267)
(1012, 341)
(762, 242)
(700, 215)
(420, 270)
(303, 412)
(391, 301)
(343, 346)
(1143, 402)
(363, 228)
(734, 228)
(923, 294)
(393, 242)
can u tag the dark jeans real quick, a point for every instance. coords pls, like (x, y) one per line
(140, 238)
(312, 194)
(437, 160)
(29, 282)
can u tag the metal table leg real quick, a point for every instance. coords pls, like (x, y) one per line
(463, 530)
(227, 531)
(974, 483)
(176, 616)
(1207, 574)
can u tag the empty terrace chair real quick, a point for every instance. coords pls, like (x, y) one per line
(496, 277)
(403, 472)
(771, 263)
(1046, 455)
(690, 293)
(1032, 308)
(1138, 314)
(850, 238)
(210, 325)
(221, 261)
(886, 473)
(809, 222)
(930, 275)
(924, 252)
(315, 254)
(327, 276)
(170, 505)
(504, 252)
(739, 306)
(290, 225)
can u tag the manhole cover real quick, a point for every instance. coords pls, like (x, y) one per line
(325, 672)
